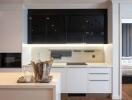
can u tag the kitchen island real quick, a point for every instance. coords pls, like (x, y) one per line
(11, 90)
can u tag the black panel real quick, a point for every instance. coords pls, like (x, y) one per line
(36, 29)
(55, 31)
(61, 53)
(46, 29)
(75, 29)
(127, 79)
(67, 26)
(10, 60)
(87, 28)
(76, 94)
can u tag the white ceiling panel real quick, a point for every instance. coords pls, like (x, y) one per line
(11, 1)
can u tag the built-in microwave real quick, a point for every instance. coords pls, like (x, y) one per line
(10, 60)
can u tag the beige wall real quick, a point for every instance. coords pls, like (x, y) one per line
(10, 28)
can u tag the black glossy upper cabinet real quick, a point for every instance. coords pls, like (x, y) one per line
(87, 26)
(67, 26)
(45, 27)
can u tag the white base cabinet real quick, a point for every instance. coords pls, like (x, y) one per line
(85, 79)
(63, 78)
(77, 80)
(99, 80)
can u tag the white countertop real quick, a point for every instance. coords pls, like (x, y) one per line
(126, 66)
(8, 80)
(126, 63)
(88, 65)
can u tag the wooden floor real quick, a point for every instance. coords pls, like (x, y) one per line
(127, 91)
(88, 97)
(127, 95)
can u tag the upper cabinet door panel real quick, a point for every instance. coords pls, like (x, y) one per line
(55, 29)
(46, 28)
(67, 26)
(75, 29)
(97, 32)
(86, 28)
(36, 29)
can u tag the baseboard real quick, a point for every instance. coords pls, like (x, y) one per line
(116, 97)
(76, 94)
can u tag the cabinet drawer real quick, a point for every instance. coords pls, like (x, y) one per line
(103, 86)
(99, 70)
(100, 76)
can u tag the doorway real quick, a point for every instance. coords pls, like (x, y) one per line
(126, 59)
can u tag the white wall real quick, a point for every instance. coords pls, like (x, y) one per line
(126, 10)
(26, 55)
(24, 25)
(108, 52)
(66, 4)
(117, 94)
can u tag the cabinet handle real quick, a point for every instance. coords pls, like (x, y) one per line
(98, 73)
(76, 67)
(98, 80)
(56, 67)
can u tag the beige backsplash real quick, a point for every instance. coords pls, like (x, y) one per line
(102, 54)
(44, 54)
(40, 53)
(83, 57)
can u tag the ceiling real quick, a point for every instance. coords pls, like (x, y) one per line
(51, 1)
(11, 1)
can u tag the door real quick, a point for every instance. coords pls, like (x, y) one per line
(75, 29)
(36, 29)
(77, 80)
(46, 29)
(87, 29)
(55, 29)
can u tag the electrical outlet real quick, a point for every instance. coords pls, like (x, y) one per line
(93, 56)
